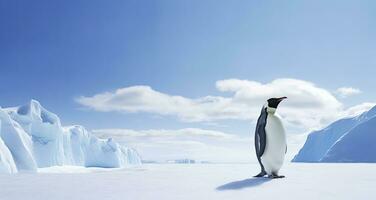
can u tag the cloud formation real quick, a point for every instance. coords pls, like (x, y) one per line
(307, 107)
(347, 91)
(358, 109)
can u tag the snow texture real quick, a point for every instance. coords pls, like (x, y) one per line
(195, 181)
(346, 140)
(31, 137)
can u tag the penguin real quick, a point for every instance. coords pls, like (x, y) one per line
(270, 140)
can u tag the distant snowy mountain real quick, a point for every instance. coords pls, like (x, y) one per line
(32, 137)
(346, 140)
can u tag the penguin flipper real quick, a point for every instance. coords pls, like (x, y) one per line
(260, 135)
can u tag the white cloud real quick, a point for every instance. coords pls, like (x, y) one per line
(347, 91)
(358, 109)
(307, 107)
(145, 99)
(193, 143)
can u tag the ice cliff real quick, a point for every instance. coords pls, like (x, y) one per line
(32, 137)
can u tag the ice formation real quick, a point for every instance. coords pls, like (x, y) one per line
(346, 140)
(32, 137)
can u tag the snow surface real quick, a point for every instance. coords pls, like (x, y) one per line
(32, 137)
(193, 181)
(345, 140)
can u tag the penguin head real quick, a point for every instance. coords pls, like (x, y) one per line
(273, 102)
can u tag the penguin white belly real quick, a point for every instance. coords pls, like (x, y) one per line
(275, 148)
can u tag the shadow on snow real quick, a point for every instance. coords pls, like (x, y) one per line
(250, 182)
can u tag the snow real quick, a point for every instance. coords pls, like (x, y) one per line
(194, 181)
(69, 169)
(335, 142)
(32, 137)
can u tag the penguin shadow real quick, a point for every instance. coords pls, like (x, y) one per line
(246, 183)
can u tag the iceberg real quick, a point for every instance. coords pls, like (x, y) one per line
(32, 137)
(345, 140)
(358, 145)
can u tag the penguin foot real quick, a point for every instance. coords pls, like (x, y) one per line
(261, 174)
(273, 176)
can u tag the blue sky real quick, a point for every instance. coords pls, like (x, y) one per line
(59, 51)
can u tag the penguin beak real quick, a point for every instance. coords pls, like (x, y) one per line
(281, 99)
